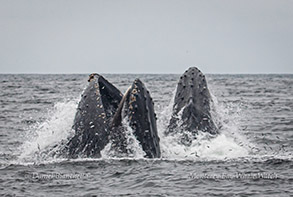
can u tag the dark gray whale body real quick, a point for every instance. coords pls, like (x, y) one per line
(103, 111)
(191, 109)
(98, 104)
(138, 108)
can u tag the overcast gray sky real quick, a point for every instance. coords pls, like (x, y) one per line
(146, 36)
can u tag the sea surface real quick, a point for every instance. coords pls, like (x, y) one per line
(252, 155)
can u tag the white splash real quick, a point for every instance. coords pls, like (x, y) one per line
(204, 147)
(230, 143)
(133, 146)
(56, 128)
(134, 149)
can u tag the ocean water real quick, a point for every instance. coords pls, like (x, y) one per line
(252, 155)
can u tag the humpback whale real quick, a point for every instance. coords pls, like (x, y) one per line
(191, 108)
(137, 107)
(97, 106)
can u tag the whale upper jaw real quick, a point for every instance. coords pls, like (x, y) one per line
(191, 109)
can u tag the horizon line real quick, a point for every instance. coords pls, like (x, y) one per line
(147, 73)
